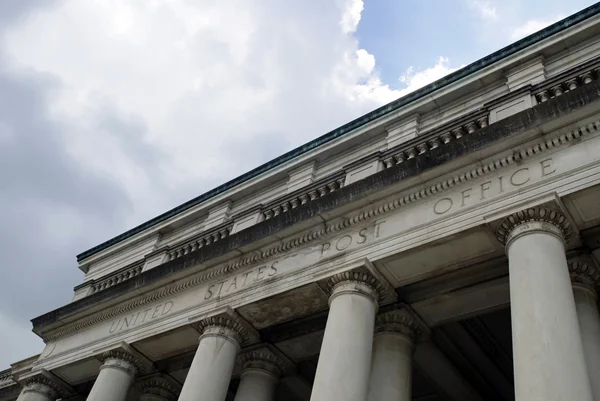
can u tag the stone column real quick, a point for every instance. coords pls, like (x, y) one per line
(210, 373)
(585, 278)
(391, 368)
(39, 389)
(260, 375)
(345, 358)
(116, 377)
(158, 389)
(547, 350)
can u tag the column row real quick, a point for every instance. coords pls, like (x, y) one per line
(363, 355)
(366, 356)
(548, 336)
(555, 323)
(211, 370)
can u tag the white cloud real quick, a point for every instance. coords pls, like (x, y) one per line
(351, 15)
(208, 91)
(201, 77)
(414, 80)
(531, 26)
(485, 10)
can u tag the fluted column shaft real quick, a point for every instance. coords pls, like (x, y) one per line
(345, 358)
(547, 350)
(210, 373)
(391, 367)
(116, 377)
(584, 277)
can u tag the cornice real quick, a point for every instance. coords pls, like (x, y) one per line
(550, 142)
(361, 121)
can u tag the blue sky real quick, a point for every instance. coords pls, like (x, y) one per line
(113, 111)
(412, 33)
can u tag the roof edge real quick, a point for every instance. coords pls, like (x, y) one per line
(356, 123)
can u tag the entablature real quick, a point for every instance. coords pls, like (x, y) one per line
(318, 233)
(451, 112)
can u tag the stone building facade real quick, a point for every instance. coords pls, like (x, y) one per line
(442, 247)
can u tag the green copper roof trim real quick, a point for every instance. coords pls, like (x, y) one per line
(352, 125)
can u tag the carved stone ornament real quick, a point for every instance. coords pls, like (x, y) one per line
(355, 281)
(584, 272)
(262, 360)
(121, 360)
(159, 387)
(43, 386)
(397, 321)
(221, 326)
(534, 219)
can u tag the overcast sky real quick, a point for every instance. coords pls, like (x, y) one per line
(113, 111)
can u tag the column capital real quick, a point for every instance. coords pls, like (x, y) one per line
(396, 321)
(160, 388)
(222, 326)
(540, 219)
(355, 281)
(224, 322)
(583, 272)
(42, 385)
(262, 360)
(399, 318)
(47, 384)
(122, 360)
